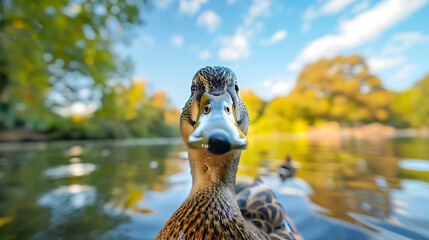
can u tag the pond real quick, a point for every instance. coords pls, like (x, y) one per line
(127, 189)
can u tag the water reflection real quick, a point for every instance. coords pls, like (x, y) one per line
(415, 164)
(75, 151)
(110, 190)
(67, 199)
(408, 215)
(346, 177)
(48, 184)
(71, 170)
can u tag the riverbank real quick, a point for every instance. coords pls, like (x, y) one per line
(23, 135)
(330, 130)
(334, 131)
(367, 132)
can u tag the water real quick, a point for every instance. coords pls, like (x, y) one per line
(128, 189)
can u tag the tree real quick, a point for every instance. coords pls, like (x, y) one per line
(351, 92)
(340, 89)
(130, 112)
(403, 109)
(253, 103)
(420, 105)
(54, 53)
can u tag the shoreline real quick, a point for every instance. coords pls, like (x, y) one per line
(330, 130)
(333, 131)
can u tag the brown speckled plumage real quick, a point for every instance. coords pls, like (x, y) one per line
(216, 208)
(259, 205)
(209, 214)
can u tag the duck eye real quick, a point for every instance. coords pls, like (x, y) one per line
(227, 110)
(207, 109)
(193, 89)
(237, 88)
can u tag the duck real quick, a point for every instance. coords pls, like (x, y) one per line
(286, 170)
(213, 125)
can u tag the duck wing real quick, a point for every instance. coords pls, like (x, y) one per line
(260, 207)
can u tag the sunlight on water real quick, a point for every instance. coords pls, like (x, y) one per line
(75, 169)
(415, 164)
(69, 198)
(75, 151)
(128, 190)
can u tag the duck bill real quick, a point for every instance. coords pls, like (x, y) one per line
(216, 128)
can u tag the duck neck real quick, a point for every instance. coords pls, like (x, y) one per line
(213, 171)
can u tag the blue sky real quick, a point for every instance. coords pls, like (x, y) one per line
(267, 42)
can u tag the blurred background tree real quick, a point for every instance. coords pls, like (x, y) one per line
(410, 107)
(345, 90)
(339, 89)
(55, 54)
(420, 105)
(60, 76)
(254, 104)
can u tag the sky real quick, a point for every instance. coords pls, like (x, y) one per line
(267, 42)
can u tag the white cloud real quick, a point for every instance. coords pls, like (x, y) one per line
(357, 31)
(276, 37)
(334, 6)
(405, 71)
(275, 86)
(359, 7)
(258, 8)
(163, 3)
(210, 20)
(310, 13)
(266, 83)
(230, 1)
(378, 64)
(238, 46)
(400, 42)
(235, 47)
(329, 8)
(177, 41)
(204, 55)
(190, 7)
(281, 88)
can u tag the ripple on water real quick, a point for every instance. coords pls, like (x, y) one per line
(70, 170)
(415, 164)
(75, 151)
(66, 199)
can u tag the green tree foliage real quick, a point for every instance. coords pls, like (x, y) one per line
(253, 103)
(411, 108)
(51, 51)
(420, 106)
(339, 89)
(402, 107)
(342, 89)
(128, 112)
(58, 53)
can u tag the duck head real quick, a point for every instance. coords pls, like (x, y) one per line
(214, 120)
